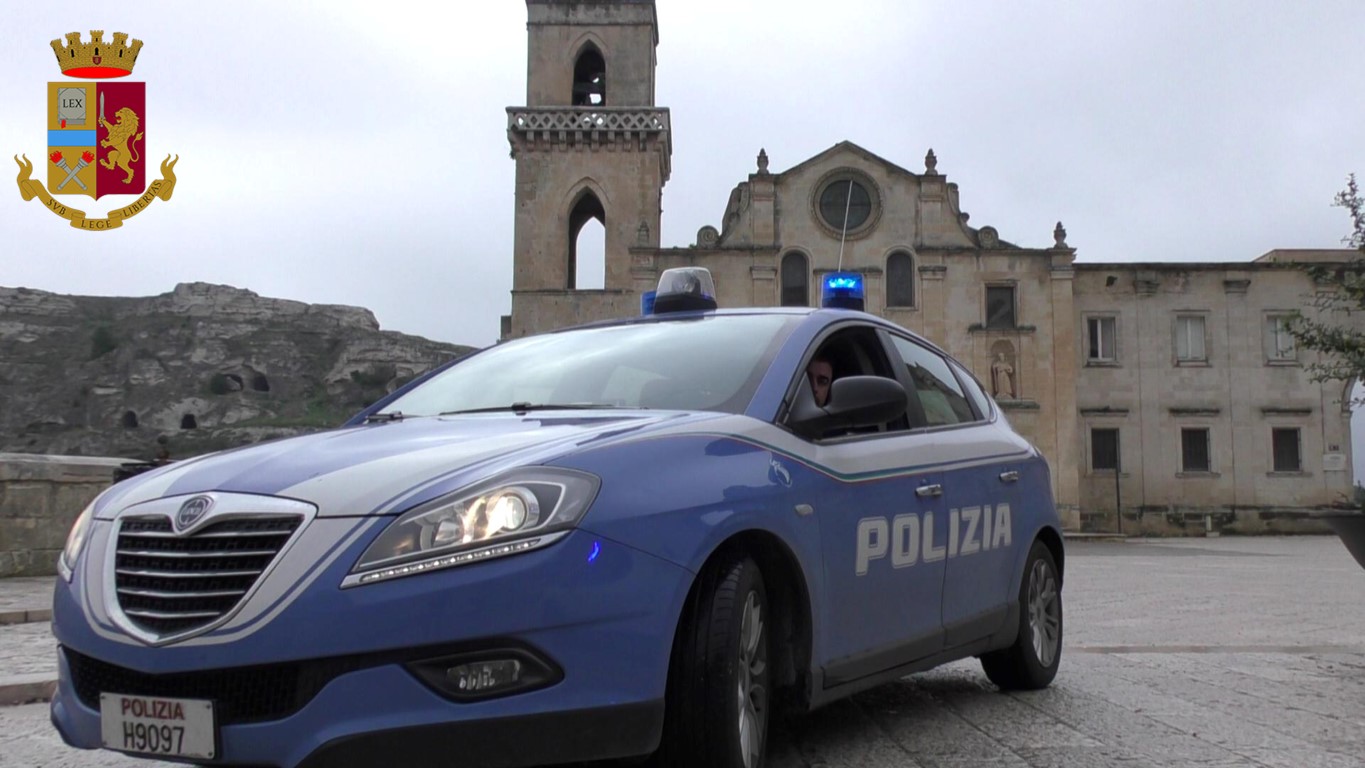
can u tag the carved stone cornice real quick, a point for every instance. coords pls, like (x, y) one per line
(615, 128)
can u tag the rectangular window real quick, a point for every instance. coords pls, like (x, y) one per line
(1189, 339)
(1194, 449)
(1000, 306)
(1285, 442)
(1100, 345)
(1279, 342)
(1104, 449)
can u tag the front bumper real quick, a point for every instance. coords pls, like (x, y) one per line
(334, 665)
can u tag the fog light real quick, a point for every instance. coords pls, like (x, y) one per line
(485, 676)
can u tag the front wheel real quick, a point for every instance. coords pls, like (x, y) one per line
(1031, 663)
(719, 679)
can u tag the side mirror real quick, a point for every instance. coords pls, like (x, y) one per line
(854, 402)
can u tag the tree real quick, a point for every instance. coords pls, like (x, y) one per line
(102, 342)
(1336, 329)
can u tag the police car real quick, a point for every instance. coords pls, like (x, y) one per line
(632, 538)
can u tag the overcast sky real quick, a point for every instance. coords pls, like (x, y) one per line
(356, 152)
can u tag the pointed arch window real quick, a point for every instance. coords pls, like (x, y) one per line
(900, 280)
(588, 208)
(590, 78)
(795, 280)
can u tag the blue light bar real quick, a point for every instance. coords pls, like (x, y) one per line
(842, 290)
(647, 303)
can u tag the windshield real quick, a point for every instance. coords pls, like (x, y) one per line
(711, 363)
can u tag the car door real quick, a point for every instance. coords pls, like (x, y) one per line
(881, 518)
(981, 469)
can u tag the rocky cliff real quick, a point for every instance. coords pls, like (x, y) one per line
(207, 366)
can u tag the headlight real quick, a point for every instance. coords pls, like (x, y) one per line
(515, 512)
(75, 540)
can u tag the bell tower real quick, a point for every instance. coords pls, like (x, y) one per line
(589, 144)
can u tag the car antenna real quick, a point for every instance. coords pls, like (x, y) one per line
(848, 201)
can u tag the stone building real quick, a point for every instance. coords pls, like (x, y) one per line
(1176, 373)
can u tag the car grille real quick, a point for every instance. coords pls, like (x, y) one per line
(247, 694)
(242, 695)
(168, 584)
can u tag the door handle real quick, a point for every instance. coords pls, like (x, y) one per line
(929, 490)
(1010, 476)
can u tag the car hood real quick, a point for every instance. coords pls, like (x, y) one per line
(384, 468)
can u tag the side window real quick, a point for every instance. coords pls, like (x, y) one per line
(974, 392)
(851, 351)
(935, 386)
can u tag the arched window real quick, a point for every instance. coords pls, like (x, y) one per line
(590, 270)
(795, 292)
(590, 78)
(129, 420)
(900, 280)
(189, 422)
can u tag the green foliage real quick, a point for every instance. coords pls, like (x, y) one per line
(218, 385)
(320, 412)
(102, 342)
(377, 376)
(1336, 329)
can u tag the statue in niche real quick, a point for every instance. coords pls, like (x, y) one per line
(1003, 379)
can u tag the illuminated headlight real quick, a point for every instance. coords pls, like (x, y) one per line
(75, 541)
(514, 512)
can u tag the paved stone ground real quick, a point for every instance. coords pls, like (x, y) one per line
(25, 593)
(1195, 652)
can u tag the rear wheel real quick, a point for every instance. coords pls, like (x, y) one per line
(1032, 661)
(719, 685)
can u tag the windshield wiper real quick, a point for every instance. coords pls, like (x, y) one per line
(384, 418)
(524, 407)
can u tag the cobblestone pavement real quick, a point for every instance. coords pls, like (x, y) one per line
(25, 593)
(1208, 652)
(29, 649)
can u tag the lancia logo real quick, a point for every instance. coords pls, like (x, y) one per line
(192, 512)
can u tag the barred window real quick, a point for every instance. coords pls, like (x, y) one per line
(1194, 450)
(1285, 445)
(1104, 448)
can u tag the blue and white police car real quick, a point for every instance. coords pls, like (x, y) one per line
(630, 538)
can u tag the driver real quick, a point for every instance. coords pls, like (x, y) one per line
(821, 375)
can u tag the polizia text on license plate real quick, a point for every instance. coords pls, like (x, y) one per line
(157, 726)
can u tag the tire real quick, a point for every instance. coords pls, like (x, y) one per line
(719, 680)
(1031, 663)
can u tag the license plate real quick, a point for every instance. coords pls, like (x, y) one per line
(152, 725)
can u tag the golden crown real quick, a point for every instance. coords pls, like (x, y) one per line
(96, 59)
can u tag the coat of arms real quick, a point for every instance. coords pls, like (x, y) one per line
(96, 133)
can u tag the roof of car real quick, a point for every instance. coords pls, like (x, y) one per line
(693, 315)
(831, 314)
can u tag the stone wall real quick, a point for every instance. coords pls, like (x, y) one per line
(40, 497)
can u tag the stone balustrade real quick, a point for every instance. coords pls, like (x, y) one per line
(628, 120)
(40, 497)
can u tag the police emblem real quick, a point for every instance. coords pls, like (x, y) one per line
(191, 512)
(97, 133)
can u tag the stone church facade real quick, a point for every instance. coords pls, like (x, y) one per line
(1177, 377)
